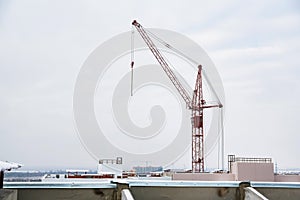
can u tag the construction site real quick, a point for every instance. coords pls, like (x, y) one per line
(243, 178)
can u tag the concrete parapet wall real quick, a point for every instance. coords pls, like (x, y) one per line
(183, 193)
(203, 176)
(252, 194)
(65, 193)
(126, 195)
(150, 189)
(7, 194)
(280, 193)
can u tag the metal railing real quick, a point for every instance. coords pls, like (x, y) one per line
(253, 160)
(232, 158)
(118, 161)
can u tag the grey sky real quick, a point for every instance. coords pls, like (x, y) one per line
(254, 44)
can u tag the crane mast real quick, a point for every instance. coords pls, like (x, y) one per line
(197, 125)
(196, 104)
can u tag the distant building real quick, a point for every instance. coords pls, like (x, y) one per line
(108, 166)
(146, 170)
(242, 169)
(255, 169)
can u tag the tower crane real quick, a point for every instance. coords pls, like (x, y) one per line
(196, 103)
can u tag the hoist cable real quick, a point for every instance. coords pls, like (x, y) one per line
(132, 60)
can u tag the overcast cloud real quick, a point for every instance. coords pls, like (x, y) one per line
(255, 46)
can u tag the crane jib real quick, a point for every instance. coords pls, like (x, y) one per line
(182, 91)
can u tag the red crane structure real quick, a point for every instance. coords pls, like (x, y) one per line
(196, 104)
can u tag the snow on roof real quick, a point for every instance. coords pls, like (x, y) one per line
(77, 170)
(5, 165)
